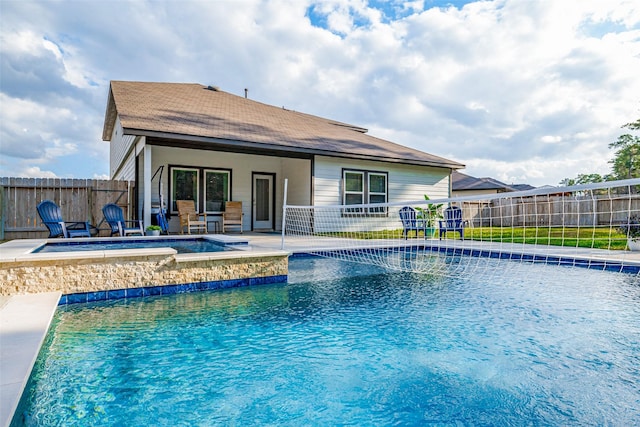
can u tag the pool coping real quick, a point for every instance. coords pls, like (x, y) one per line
(22, 249)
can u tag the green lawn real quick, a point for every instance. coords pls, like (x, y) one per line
(585, 237)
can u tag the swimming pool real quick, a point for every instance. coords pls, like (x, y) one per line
(181, 245)
(344, 343)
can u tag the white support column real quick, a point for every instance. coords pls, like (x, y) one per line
(146, 178)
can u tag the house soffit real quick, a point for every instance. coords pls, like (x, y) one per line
(244, 147)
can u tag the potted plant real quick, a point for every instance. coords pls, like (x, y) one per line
(429, 215)
(632, 230)
(153, 230)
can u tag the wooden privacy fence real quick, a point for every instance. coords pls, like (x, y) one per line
(79, 200)
(553, 211)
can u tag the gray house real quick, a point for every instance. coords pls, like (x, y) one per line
(195, 142)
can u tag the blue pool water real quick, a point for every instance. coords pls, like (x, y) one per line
(345, 344)
(180, 245)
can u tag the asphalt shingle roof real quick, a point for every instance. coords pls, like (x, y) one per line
(188, 111)
(460, 181)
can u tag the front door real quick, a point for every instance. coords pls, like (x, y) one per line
(263, 201)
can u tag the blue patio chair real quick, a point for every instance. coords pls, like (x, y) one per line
(120, 226)
(51, 217)
(452, 222)
(410, 222)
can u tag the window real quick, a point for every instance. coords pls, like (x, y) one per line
(184, 185)
(209, 188)
(216, 189)
(377, 191)
(353, 190)
(362, 187)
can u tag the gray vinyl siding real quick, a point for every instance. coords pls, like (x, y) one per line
(127, 170)
(120, 153)
(405, 182)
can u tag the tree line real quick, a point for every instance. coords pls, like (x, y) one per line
(625, 163)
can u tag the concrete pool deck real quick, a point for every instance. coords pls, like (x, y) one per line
(24, 322)
(25, 319)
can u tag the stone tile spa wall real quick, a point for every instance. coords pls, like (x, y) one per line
(90, 274)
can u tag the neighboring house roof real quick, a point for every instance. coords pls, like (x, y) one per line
(206, 116)
(523, 187)
(462, 182)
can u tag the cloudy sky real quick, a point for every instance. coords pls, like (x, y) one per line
(524, 91)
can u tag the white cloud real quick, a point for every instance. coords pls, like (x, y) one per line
(53, 48)
(24, 41)
(36, 172)
(534, 169)
(551, 139)
(28, 130)
(533, 91)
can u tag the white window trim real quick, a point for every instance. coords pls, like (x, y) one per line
(346, 192)
(366, 191)
(374, 193)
